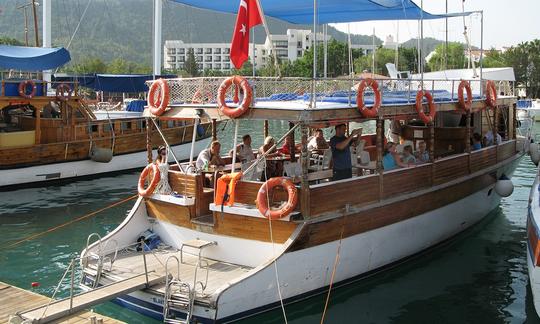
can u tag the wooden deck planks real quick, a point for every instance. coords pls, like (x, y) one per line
(13, 300)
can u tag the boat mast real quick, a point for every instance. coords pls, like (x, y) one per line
(157, 37)
(36, 30)
(46, 29)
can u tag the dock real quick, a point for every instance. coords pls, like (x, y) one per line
(14, 299)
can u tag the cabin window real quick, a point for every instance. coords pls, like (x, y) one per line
(94, 128)
(126, 125)
(170, 123)
(142, 124)
(106, 128)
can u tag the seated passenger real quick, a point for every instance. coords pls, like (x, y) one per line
(422, 155)
(489, 138)
(391, 159)
(244, 152)
(317, 142)
(476, 142)
(273, 168)
(210, 156)
(286, 147)
(408, 156)
(163, 186)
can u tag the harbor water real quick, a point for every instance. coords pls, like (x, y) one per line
(478, 277)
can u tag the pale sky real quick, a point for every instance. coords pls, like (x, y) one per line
(506, 23)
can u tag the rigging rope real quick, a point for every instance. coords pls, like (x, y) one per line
(31, 237)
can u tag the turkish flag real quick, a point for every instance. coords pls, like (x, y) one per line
(248, 16)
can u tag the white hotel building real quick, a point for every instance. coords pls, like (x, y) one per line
(216, 56)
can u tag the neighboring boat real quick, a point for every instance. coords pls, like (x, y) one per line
(533, 241)
(530, 108)
(230, 253)
(52, 137)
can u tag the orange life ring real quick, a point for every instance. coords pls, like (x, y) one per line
(364, 110)
(24, 85)
(153, 183)
(464, 104)
(226, 186)
(266, 191)
(420, 109)
(158, 97)
(61, 91)
(491, 94)
(243, 107)
(198, 97)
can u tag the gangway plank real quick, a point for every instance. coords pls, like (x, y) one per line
(61, 308)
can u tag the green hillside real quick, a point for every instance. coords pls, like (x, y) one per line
(123, 28)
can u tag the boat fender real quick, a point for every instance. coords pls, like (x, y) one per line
(491, 94)
(63, 92)
(263, 205)
(101, 155)
(429, 118)
(465, 104)
(23, 86)
(158, 97)
(504, 186)
(153, 181)
(373, 111)
(534, 152)
(243, 107)
(226, 188)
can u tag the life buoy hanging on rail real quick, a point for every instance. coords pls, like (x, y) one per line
(153, 182)
(63, 92)
(24, 85)
(420, 109)
(158, 97)
(464, 104)
(491, 94)
(266, 191)
(243, 107)
(226, 187)
(368, 112)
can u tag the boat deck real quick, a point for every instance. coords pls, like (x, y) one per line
(131, 263)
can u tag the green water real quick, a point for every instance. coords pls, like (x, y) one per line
(480, 277)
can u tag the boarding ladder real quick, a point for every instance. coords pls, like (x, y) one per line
(100, 258)
(180, 294)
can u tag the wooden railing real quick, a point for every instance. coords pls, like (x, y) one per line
(369, 189)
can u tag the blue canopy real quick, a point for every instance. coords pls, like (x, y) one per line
(129, 83)
(32, 58)
(329, 11)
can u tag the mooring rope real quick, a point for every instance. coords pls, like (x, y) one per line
(31, 237)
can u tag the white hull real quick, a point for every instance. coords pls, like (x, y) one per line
(308, 271)
(534, 271)
(65, 170)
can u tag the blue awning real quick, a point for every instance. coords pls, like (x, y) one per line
(329, 11)
(32, 58)
(129, 83)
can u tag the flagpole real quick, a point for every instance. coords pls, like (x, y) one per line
(269, 37)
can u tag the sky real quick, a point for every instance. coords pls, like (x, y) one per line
(506, 23)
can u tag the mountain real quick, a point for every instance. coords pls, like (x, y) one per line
(429, 44)
(123, 29)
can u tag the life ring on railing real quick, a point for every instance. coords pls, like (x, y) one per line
(24, 85)
(420, 109)
(464, 104)
(491, 94)
(153, 182)
(226, 186)
(198, 97)
(243, 107)
(63, 92)
(158, 97)
(266, 190)
(364, 110)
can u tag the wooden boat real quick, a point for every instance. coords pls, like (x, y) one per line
(36, 147)
(232, 259)
(533, 235)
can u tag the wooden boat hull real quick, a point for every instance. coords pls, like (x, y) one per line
(373, 239)
(72, 169)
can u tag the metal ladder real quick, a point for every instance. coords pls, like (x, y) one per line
(178, 294)
(99, 258)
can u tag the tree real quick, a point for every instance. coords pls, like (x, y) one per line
(10, 41)
(89, 65)
(382, 56)
(493, 58)
(246, 69)
(525, 59)
(455, 57)
(190, 65)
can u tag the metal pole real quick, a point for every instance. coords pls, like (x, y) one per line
(46, 31)
(235, 141)
(25, 26)
(36, 30)
(481, 50)
(422, 43)
(158, 9)
(72, 265)
(193, 138)
(314, 39)
(325, 42)
(144, 260)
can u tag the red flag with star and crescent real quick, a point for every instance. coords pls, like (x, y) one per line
(248, 17)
